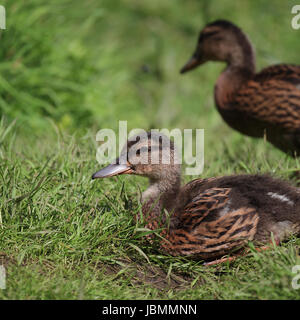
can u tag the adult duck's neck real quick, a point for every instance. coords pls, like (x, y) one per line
(240, 69)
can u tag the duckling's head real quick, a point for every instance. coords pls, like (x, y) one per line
(221, 40)
(149, 154)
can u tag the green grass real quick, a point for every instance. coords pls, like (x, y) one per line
(70, 68)
(63, 236)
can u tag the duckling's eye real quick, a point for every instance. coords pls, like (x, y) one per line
(143, 150)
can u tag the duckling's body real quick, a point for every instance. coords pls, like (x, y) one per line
(208, 217)
(255, 104)
(214, 216)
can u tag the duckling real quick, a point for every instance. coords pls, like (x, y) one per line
(206, 218)
(256, 104)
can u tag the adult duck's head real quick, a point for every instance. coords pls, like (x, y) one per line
(149, 154)
(221, 40)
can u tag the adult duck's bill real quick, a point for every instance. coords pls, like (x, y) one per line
(191, 64)
(112, 170)
(194, 62)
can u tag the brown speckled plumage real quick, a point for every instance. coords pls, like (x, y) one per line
(208, 218)
(256, 104)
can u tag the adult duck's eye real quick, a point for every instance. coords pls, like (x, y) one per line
(208, 34)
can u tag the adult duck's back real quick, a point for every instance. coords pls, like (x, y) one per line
(269, 104)
(286, 72)
(255, 104)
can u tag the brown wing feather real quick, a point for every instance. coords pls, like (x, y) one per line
(274, 102)
(202, 205)
(219, 235)
(285, 72)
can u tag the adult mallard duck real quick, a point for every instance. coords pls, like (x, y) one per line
(256, 104)
(207, 218)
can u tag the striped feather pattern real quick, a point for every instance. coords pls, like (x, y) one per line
(208, 239)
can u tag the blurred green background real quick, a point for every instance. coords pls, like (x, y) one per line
(88, 64)
(70, 68)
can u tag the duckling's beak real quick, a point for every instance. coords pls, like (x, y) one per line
(112, 170)
(191, 64)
